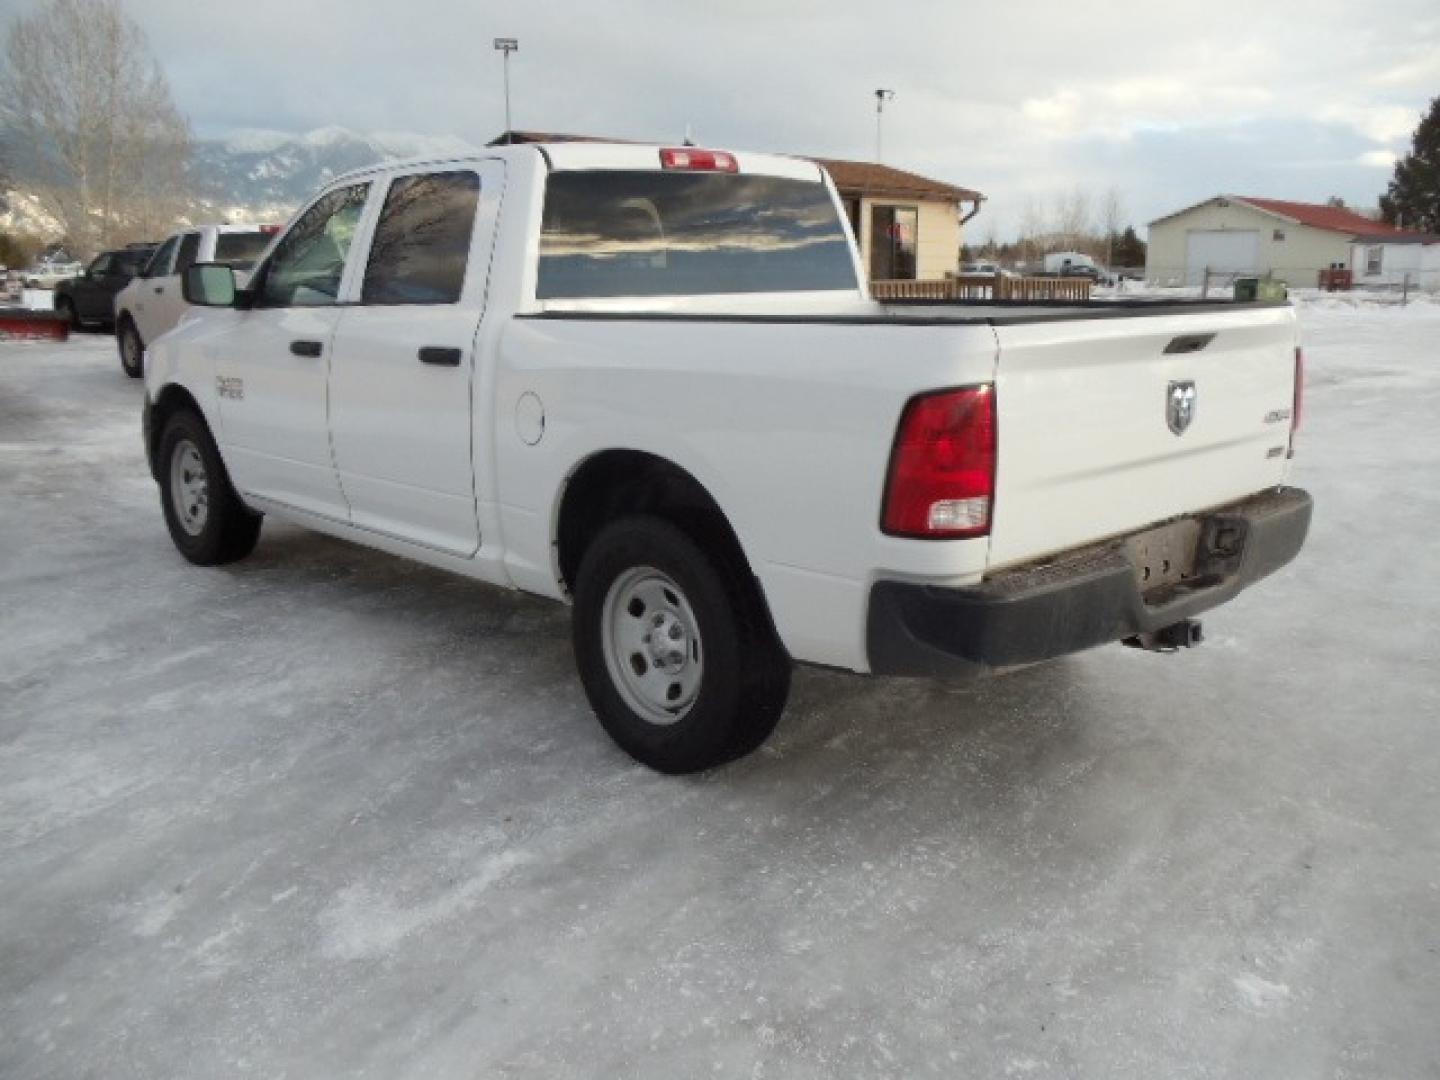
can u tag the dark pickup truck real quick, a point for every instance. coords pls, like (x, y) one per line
(89, 300)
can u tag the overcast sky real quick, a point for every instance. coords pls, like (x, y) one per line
(1170, 103)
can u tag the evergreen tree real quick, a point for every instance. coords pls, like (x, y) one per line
(1129, 249)
(1413, 201)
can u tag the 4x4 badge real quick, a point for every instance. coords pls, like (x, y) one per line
(1180, 405)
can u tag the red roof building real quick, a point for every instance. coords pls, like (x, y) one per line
(1245, 235)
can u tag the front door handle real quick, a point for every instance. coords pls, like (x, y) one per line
(440, 355)
(305, 348)
(159, 288)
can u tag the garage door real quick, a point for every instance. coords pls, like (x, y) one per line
(1225, 250)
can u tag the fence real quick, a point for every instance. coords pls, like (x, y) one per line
(984, 287)
(1402, 285)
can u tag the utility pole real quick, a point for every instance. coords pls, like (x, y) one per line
(507, 45)
(881, 96)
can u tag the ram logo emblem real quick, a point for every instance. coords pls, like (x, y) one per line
(1180, 406)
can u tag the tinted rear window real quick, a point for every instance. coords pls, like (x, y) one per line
(240, 249)
(688, 234)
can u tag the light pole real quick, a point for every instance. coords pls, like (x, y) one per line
(881, 96)
(507, 45)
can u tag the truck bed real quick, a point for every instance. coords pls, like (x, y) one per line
(926, 312)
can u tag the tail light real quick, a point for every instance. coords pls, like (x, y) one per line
(942, 470)
(1299, 402)
(699, 160)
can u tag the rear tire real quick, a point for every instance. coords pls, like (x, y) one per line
(674, 648)
(208, 523)
(132, 349)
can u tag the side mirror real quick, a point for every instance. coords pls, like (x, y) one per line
(209, 285)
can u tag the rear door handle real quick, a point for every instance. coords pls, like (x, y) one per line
(440, 355)
(305, 348)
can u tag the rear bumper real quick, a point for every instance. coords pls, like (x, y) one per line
(1077, 600)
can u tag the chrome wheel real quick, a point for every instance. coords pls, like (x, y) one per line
(130, 349)
(189, 489)
(651, 642)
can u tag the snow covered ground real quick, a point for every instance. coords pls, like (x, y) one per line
(325, 813)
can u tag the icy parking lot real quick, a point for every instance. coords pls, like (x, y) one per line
(326, 813)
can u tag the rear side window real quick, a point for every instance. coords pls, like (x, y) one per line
(189, 249)
(688, 234)
(240, 249)
(131, 262)
(422, 240)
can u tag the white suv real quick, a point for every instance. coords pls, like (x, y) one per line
(152, 303)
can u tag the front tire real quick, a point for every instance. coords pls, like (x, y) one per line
(208, 523)
(132, 349)
(65, 308)
(674, 648)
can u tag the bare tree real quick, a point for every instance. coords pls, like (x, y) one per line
(1033, 227)
(80, 84)
(1112, 220)
(1073, 218)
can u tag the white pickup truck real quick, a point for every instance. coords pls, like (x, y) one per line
(152, 304)
(651, 381)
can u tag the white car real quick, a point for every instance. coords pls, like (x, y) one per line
(152, 303)
(990, 269)
(651, 381)
(46, 274)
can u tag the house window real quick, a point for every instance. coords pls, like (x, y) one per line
(1278, 234)
(893, 235)
(1374, 256)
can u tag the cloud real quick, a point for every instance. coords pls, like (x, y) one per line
(1167, 103)
(1378, 159)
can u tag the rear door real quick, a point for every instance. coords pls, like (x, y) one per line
(92, 290)
(1107, 425)
(401, 379)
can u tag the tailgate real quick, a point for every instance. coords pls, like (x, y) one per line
(1086, 446)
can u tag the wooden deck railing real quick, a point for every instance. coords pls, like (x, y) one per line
(984, 287)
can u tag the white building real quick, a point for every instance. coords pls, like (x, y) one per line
(1393, 259)
(1240, 234)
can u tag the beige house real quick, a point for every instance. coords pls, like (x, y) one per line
(909, 226)
(1240, 234)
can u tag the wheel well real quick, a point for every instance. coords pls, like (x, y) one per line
(616, 483)
(172, 399)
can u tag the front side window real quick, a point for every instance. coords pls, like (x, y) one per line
(620, 233)
(422, 240)
(189, 250)
(307, 265)
(102, 266)
(159, 264)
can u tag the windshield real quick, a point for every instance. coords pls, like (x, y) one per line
(687, 234)
(240, 249)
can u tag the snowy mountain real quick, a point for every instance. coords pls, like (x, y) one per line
(264, 171)
(250, 174)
